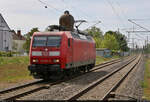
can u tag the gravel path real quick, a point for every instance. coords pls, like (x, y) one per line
(64, 90)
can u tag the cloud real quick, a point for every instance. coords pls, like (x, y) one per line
(26, 14)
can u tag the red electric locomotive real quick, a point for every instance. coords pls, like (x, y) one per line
(58, 52)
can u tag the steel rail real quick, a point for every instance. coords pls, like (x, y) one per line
(111, 61)
(102, 65)
(106, 96)
(47, 86)
(39, 81)
(92, 85)
(20, 86)
(38, 88)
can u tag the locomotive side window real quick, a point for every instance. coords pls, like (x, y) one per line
(54, 41)
(39, 41)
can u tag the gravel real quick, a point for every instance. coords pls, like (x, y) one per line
(131, 87)
(98, 92)
(4, 86)
(64, 90)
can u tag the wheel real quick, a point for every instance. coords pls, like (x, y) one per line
(88, 68)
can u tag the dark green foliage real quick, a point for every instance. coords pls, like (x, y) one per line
(116, 41)
(97, 34)
(147, 48)
(28, 36)
(110, 42)
(121, 39)
(7, 54)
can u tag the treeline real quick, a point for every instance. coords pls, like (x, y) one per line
(112, 39)
(147, 48)
(28, 36)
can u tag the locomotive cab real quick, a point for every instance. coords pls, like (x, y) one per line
(47, 53)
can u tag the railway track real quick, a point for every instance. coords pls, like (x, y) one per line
(59, 88)
(26, 89)
(21, 90)
(102, 88)
(111, 95)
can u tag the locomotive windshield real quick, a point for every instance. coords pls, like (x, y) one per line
(51, 41)
(39, 41)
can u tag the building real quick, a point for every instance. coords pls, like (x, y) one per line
(104, 52)
(18, 42)
(5, 35)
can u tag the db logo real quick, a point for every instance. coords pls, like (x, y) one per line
(45, 53)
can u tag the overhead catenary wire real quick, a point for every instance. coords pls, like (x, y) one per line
(72, 7)
(140, 36)
(48, 5)
(93, 25)
(122, 11)
(140, 19)
(83, 13)
(65, 5)
(86, 15)
(115, 12)
(138, 25)
(136, 32)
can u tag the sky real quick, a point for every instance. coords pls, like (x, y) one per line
(114, 14)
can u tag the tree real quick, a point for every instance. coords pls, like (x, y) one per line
(110, 42)
(97, 34)
(121, 39)
(28, 36)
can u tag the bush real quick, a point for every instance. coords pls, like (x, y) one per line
(7, 54)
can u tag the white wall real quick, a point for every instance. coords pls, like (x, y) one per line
(19, 46)
(5, 35)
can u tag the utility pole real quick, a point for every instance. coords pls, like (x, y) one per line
(145, 44)
(128, 36)
(147, 40)
(133, 44)
(118, 30)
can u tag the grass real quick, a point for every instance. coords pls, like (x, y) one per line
(14, 69)
(146, 83)
(14, 60)
(100, 59)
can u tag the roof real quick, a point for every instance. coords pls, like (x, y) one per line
(4, 21)
(17, 37)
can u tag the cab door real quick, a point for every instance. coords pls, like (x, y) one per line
(70, 52)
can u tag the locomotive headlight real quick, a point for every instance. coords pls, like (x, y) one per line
(54, 53)
(35, 60)
(56, 60)
(36, 53)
